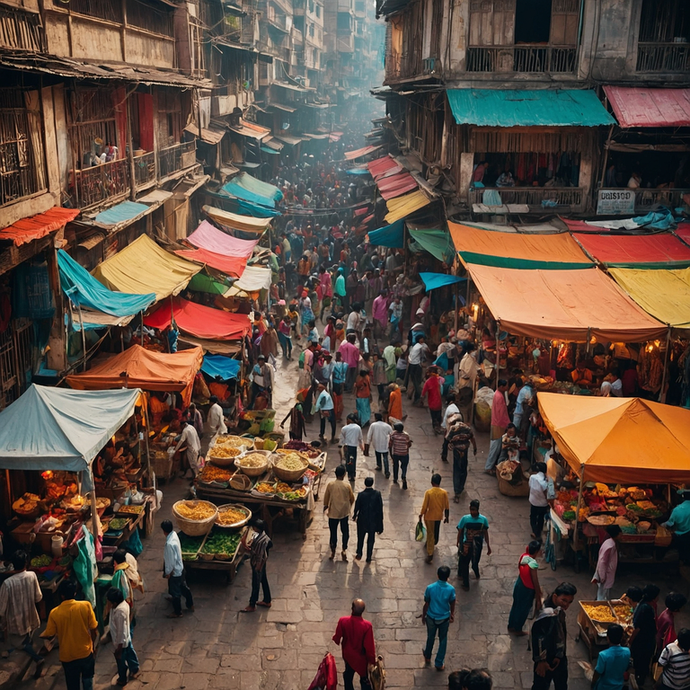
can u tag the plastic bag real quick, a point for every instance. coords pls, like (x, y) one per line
(420, 532)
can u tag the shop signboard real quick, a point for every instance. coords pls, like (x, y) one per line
(611, 202)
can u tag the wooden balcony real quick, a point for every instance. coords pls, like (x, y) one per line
(533, 196)
(176, 158)
(522, 58)
(101, 182)
(663, 57)
(648, 199)
(145, 170)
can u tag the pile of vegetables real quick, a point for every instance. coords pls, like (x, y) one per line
(222, 543)
(189, 546)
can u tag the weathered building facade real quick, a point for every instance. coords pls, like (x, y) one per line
(455, 68)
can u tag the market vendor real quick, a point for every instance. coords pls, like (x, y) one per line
(679, 523)
(190, 439)
(581, 375)
(158, 407)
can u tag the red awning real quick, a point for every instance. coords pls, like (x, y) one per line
(641, 107)
(359, 153)
(361, 211)
(36, 227)
(582, 226)
(230, 265)
(395, 185)
(634, 249)
(383, 166)
(683, 231)
(198, 320)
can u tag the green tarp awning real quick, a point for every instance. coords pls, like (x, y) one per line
(528, 108)
(437, 242)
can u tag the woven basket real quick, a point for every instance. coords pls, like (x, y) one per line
(240, 482)
(221, 462)
(508, 489)
(194, 528)
(254, 471)
(290, 475)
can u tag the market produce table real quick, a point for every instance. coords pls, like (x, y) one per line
(593, 627)
(200, 560)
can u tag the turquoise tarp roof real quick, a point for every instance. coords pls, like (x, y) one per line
(435, 241)
(252, 184)
(436, 280)
(121, 213)
(84, 290)
(221, 367)
(59, 429)
(389, 236)
(528, 108)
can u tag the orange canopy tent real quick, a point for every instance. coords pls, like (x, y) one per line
(138, 367)
(620, 439)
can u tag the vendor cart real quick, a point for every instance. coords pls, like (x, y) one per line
(226, 564)
(593, 631)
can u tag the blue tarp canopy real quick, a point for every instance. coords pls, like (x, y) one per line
(59, 429)
(528, 108)
(267, 149)
(120, 213)
(389, 236)
(437, 280)
(357, 171)
(233, 189)
(84, 290)
(219, 366)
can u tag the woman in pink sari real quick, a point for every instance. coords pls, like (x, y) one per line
(380, 313)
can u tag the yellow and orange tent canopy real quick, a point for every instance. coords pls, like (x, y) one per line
(627, 440)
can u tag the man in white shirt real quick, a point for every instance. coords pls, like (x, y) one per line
(326, 409)
(173, 571)
(352, 321)
(415, 360)
(190, 438)
(538, 499)
(121, 636)
(378, 436)
(216, 420)
(450, 411)
(350, 439)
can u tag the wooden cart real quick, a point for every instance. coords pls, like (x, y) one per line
(227, 567)
(591, 632)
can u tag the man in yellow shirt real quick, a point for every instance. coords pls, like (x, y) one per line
(435, 508)
(76, 628)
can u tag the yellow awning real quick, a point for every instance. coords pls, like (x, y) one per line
(615, 440)
(664, 293)
(143, 267)
(402, 206)
(236, 221)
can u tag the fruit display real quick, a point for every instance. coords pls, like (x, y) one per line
(195, 510)
(41, 561)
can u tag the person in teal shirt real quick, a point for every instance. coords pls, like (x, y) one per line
(679, 523)
(612, 662)
(340, 289)
(438, 613)
(473, 530)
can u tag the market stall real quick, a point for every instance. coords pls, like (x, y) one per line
(623, 457)
(276, 485)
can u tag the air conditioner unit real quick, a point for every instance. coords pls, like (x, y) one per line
(431, 65)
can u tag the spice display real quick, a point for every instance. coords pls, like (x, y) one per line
(195, 510)
(253, 460)
(290, 462)
(623, 613)
(600, 612)
(211, 473)
(265, 488)
(230, 516)
(233, 441)
(224, 451)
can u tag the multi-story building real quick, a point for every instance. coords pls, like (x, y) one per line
(531, 88)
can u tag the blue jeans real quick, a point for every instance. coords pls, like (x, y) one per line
(382, 457)
(128, 659)
(431, 627)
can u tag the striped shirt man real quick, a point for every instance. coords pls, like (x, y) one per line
(676, 663)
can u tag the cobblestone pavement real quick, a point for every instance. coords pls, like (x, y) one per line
(281, 648)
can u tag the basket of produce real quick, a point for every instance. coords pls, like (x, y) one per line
(290, 467)
(288, 493)
(190, 546)
(118, 524)
(233, 516)
(194, 518)
(233, 441)
(240, 482)
(221, 545)
(254, 464)
(28, 506)
(267, 489)
(216, 476)
(224, 456)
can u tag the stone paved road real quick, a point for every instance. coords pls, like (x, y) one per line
(217, 647)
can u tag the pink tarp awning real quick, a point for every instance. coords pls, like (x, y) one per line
(207, 236)
(634, 249)
(383, 166)
(395, 185)
(359, 153)
(642, 107)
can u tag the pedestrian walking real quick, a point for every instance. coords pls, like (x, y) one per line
(355, 635)
(395, 409)
(368, 515)
(473, 531)
(438, 613)
(258, 543)
(399, 445)
(451, 409)
(216, 419)
(499, 424)
(434, 509)
(19, 618)
(675, 662)
(539, 500)
(350, 439)
(173, 571)
(414, 370)
(432, 390)
(121, 637)
(549, 639)
(526, 590)
(339, 375)
(642, 641)
(324, 406)
(298, 426)
(612, 663)
(607, 562)
(75, 625)
(189, 441)
(458, 437)
(196, 419)
(363, 397)
(338, 501)
(285, 337)
(379, 437)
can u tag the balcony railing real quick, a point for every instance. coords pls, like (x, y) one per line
(101, 182)
(176, 157)
(648, 199)
(663, 57)
(522, 58)
(532, 196)
(145, 169)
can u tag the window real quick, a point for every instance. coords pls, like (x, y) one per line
(344, 21)
(311, 30)
(22, 171)
(664, 38)
(532, 21)
(318, 11)
(93, 124)
(169, 117)
(147, 17)
(112, 11)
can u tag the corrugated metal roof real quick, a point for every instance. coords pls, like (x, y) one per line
(527, 108)
(395, 185)
(640, 107)
(210, 136)
(250, 130)
(383, 166)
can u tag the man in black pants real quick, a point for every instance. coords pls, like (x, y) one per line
(324, 406)
(549, 637)
(369, 517)
(259, 546)
(338, 501)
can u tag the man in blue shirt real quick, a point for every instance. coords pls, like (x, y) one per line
(612, 662)
(679, 523)
(472, 532)
(438, 613)
(173, 571)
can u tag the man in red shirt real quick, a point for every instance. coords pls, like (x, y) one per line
(357, 637)
(432, 390)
